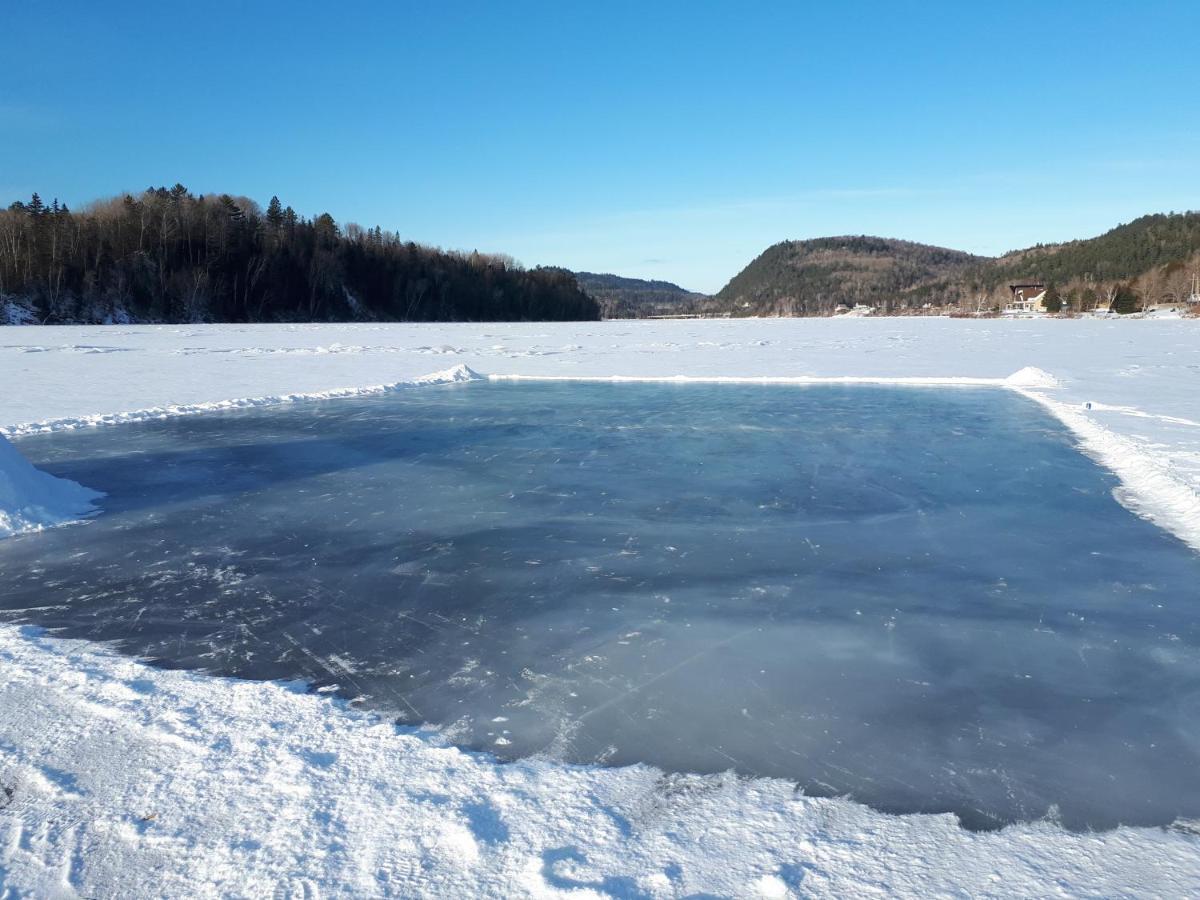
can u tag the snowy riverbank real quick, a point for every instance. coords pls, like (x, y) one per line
(126, 779)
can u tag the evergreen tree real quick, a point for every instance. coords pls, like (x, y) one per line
(274, 213)
(1125, 301)
(232, 210)
(1052, 302)
(326, 228)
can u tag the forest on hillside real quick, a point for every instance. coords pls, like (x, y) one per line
(814, 277)
(1152, 259)
(632, 298)
(168, 255)
(1153, 256)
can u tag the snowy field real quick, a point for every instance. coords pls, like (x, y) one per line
(118, 779)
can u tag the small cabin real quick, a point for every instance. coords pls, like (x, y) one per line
(1028, 297)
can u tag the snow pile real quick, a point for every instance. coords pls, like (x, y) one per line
(31, 499)
(454, 375)
(1032, 377)
(136, 782)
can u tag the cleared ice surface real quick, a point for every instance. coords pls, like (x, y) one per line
(925, 599)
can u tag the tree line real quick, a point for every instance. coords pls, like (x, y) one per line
(168, 255)
(1123, 253)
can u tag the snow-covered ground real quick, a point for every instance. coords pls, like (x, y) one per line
(120, 779)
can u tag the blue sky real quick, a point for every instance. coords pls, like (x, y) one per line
(661, 140)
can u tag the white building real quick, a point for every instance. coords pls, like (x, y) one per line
(1027, 299)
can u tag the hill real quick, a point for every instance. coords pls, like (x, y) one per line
(1155, 256)
(168, 255)
(814, 277)
(631, 298)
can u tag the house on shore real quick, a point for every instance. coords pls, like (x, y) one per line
(1027, 298)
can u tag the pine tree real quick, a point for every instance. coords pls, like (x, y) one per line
(36, 207)
(1125, 300)
(231, 209)
(1052, 301)
(274, 213)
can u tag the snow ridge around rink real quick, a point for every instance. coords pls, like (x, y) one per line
(117, 778)
(131, 781)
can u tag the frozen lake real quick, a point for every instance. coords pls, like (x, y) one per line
(925, 599)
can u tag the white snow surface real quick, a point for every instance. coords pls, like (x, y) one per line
(131, 781)
(134, 782)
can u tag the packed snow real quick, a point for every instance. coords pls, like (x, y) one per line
(135, 782)
(119, 778)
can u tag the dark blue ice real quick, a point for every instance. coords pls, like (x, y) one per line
(925, 599)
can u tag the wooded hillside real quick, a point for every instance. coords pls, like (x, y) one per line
(1151, 259)
(629, 298)
(1154, 256)
(814, 277)
(168, 255)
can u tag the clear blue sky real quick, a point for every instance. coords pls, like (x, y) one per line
(662, 140)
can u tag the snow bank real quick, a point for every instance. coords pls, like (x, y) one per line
(916, 380)
(446, 376)
(136, 782)
(1150, 487)
(31, 499)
